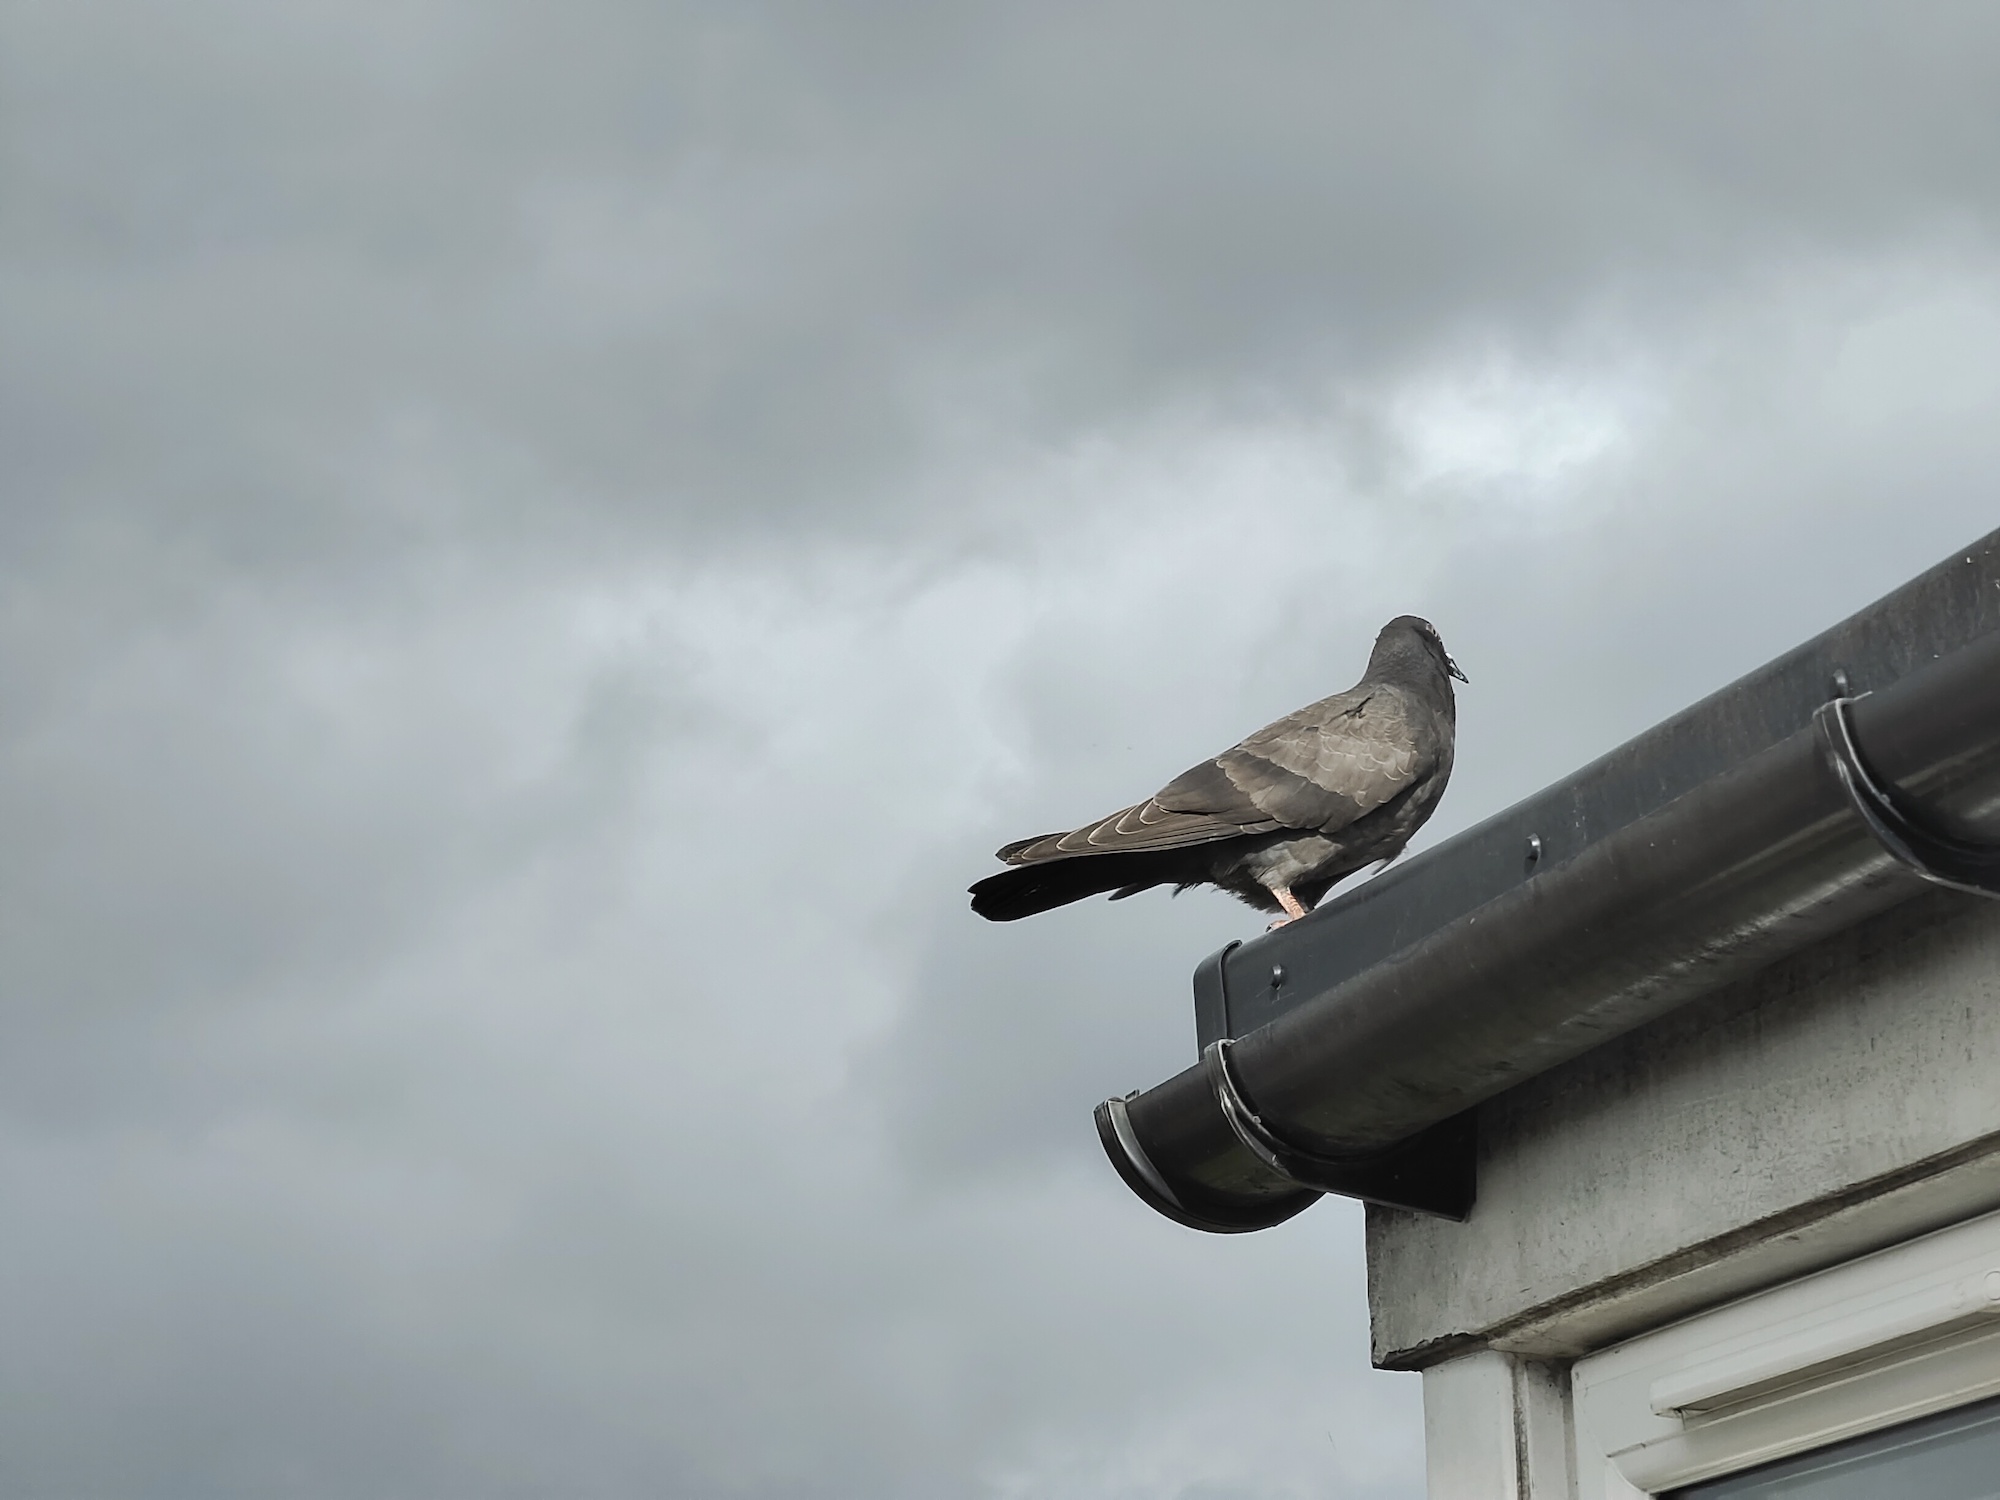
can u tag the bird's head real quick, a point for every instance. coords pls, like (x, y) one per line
(1408, 637)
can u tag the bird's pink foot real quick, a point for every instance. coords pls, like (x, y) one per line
(1293, 911)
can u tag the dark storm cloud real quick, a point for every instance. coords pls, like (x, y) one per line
(716, 265)
(542, 545)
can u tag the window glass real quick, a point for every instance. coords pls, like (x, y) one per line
(1954, 1455)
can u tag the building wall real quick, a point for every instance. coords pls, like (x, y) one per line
(1844, 1100)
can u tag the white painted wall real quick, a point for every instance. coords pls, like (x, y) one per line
(1497, 1427)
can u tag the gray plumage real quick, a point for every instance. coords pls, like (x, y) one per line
(1282, 817)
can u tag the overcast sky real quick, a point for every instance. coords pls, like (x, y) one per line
(542, 546)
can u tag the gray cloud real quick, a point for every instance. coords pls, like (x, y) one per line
(541, 548)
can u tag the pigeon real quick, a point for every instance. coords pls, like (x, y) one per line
(1279, 819)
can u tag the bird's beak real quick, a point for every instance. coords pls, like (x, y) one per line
(1452, 667)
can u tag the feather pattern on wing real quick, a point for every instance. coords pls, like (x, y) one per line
(1320, 768)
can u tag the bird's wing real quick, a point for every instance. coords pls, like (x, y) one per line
(1320, 768)
(1323, 767)
(1144, 826)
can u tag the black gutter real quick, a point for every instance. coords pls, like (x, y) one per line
(1362, 1080)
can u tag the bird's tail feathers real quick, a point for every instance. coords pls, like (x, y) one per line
(1028, 889)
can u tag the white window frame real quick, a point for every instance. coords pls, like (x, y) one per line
(1891, 1337)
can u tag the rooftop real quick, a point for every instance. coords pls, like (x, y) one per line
(1346, 1051)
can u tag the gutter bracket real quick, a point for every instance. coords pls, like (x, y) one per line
(1211, 996)
(1433, 1172)
(1898, 825)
